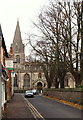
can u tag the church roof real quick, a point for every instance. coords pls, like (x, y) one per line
(2, 42)
(31, 63)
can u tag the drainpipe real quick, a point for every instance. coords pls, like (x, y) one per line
(0, 82)
(0, 92)
(0, 95)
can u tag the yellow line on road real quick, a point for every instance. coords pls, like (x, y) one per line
(65, 102)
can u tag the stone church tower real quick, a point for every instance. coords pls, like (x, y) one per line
(19, 55)
(18, 46)
(28, 75)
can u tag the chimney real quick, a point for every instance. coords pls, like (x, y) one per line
(11, 52)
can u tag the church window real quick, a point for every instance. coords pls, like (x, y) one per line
(66, 83)
(15, 81)
(26, 80)
(18, 59)
(39, 75)
(26, 67)
(16, 48)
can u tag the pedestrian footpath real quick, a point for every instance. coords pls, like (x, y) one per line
(17, 109)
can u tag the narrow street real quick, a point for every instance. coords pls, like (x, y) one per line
(52, 109)
(39, 108)
(41, 56)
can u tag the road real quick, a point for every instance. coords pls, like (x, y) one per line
(52, 109)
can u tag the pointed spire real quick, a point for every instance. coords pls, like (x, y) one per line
(18, 19)
(18, 22)
(17, 44)
(17, 35)
(17, 27)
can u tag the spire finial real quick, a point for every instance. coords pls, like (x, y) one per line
(17, 19)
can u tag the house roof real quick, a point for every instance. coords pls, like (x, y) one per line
(0, 31)
(3, 42)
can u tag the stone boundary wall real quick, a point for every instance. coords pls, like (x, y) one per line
(74, 96)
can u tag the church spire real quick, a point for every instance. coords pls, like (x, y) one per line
(17, 44)
(17, 35)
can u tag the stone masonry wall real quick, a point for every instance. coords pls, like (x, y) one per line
(75, 97)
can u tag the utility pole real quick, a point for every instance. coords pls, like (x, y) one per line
(81, 62)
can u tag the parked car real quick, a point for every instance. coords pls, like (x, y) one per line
(29, 93)
(35, 91)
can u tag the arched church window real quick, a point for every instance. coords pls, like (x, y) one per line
(18, 59)
(16, 47)
(66, 83)
(26, 80)
(39, 75)
(26, 67)
(15, 81)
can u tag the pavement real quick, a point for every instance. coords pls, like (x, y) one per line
(17, 109)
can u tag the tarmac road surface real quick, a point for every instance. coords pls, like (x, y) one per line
(52, 109)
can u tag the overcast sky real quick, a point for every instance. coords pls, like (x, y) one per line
(25, 10)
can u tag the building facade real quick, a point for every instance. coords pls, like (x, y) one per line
(4, 77)
(28, 75)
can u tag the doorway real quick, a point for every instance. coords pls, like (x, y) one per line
(39, 86)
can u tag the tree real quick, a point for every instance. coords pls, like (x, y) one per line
(59, 40)
(81, 62)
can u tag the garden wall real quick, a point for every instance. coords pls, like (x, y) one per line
(71, 96)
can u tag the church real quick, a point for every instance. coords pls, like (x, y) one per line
(28, 75)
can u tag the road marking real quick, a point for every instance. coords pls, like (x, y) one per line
(80, 107)
(33, 110)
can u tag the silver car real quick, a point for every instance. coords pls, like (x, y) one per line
(35, 92)
(29, 93)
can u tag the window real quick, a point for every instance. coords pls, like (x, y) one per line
(26, 67)
(39, 75)
(15, 81)
(26, 80)
(16, 48)
(18, 59)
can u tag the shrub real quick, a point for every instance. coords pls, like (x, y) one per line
(79, 86)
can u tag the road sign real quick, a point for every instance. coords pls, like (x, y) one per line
(9, 63)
